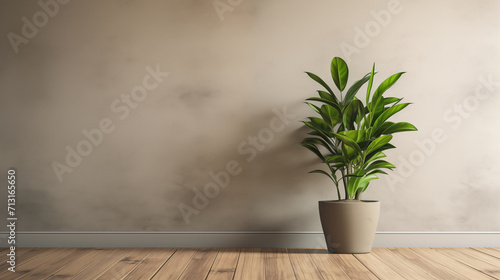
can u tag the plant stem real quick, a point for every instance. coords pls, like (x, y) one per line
(338, 191)
(344, 179)
(358, 195)
(335, 181)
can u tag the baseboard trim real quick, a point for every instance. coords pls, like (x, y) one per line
(301, 239)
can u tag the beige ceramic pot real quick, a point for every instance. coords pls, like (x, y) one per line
(349, 225)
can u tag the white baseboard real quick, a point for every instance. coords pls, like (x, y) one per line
(243, 239)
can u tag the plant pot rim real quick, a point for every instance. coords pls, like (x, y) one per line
(350, 201)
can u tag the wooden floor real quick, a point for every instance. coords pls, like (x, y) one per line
(250, 263)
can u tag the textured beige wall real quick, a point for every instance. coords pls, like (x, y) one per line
(232, 100)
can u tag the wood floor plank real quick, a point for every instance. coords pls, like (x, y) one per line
(99, 266)
(50, 255)
(72, 269)
(451, 264)
(277, 264)
(378, 267)
(495, 252)
(353, 268)
(124, 266)
(225, 263)
(25, 249)
(327, 265)
(250, 265)
(254, 263)
(303, 265)
(176, 264)
(429, 265)
(482, 256)
(151, 264)
(401, 265)
(22, 255)
(44, 271)
(200, 264)
(474, 260)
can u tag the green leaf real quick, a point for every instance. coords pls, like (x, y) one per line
(377, 171)
(375, 111)
(325, 95)
(314, 107)
(318, 141)
(319, 123)
(383, 148)
(330, 114)
(313, 127)
(360, 183)
(381, 129)
(348, 142)
(334, 159)
(334, 177)
(380, 164)
(349, 152)
(351, 134)
(340, 72)
(370, 83)
(390, 100)
(386, 147)
(350, 112)
(361, 135)
(388, 113)
(385, 85)
(322, 172)
(353, 90)
(373, 157)
(321, 133)
(326, 101)
(320, 81)
(338, 165)
(378, 143)
(353, 176)
(315, 150)
(399, 127)
(363, 144)
(320, 129)
(366, 181)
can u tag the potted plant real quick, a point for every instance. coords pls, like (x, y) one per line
(350, 138)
